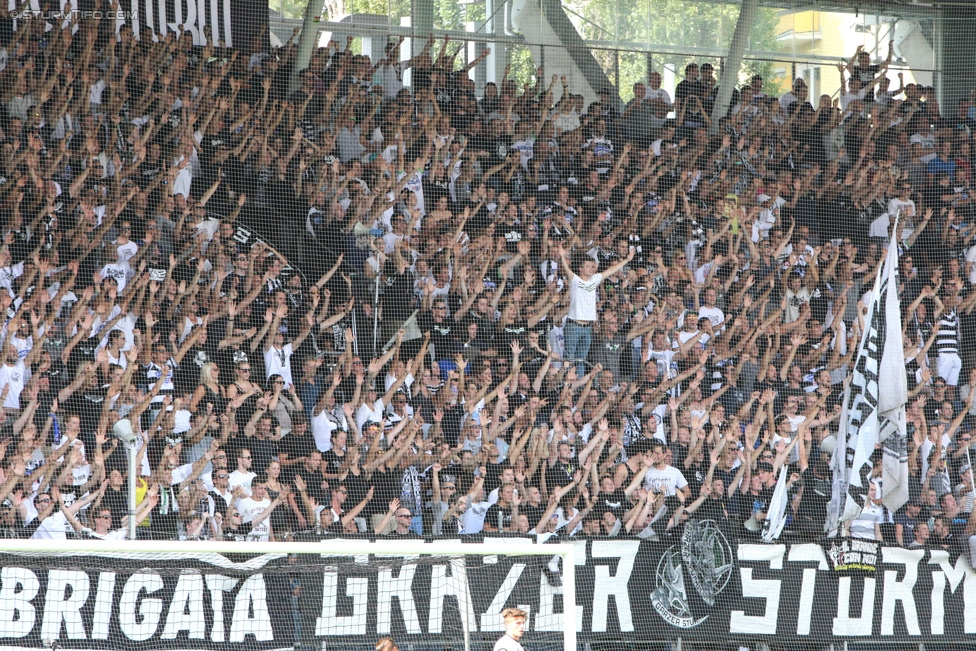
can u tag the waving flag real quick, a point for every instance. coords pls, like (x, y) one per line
(874, 407)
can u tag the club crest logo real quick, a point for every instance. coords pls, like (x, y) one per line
(706, 558)
(707, 555)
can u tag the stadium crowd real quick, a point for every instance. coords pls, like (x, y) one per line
(518, 313)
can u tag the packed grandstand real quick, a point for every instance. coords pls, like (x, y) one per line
(365, 308)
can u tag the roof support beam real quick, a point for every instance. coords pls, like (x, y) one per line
(730, 71)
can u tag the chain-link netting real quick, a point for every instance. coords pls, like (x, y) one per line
(723, 349)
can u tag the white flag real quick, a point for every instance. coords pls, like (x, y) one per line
(838, 465)
(893, 394)
(776, 516)
(874, 406)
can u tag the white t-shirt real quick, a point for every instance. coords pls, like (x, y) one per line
(582, 297)
(564, 122)
(507, 643)
(660, 94)
(684, 336)
(971, 258)
(16, 376)
(863, 525)
(278, 362)
(322, 428)
(786, 99)
(22, 346)
(656, 146)
(118, 272)
(367, 413)
(53, 527)
(473, 520)
(391, 77)
(126, 251)
(415, 185)
(713, 314)
(845, 101)
(897, 206)
(242, 479)
(927, 140)
(116, 534)
(524, 147)
(7, 276)
(668, 479)
(250, 509)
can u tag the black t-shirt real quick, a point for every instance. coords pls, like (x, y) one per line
(84, 351)
(498, 513)
(513, 234)
(398, 297)
(118, 502)
(517, 330)
(388, 485)
(932, 197)
(680, 453)
(358, 486)
(87, 403)
(313, 483)
(712, 509)
(188, 373)
(695, 477)
(687, 88)
(866, 75)
(164, 519)
(295, 447)
(486, 330)
(813, 503)
(331, 462)
(532, 513)
(442, 335)
(615, 502)
(493, 478)
(409, 534)
(560, 474)
(262, 451)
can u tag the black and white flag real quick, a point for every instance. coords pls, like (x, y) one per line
(874, 406)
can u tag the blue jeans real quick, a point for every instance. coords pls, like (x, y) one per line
(577, 345)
